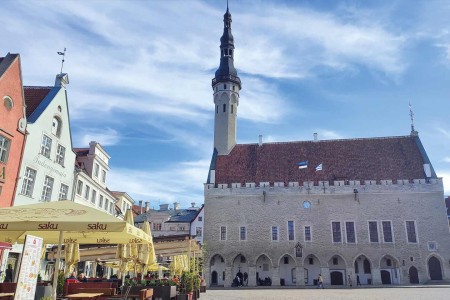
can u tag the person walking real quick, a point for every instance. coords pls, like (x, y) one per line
(320, 282)
(9, 274)
(349, 281)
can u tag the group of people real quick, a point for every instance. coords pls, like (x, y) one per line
(240, 279)
(81, 277)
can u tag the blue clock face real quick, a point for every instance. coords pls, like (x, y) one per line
(306, 204)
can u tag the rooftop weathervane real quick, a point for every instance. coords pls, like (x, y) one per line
(62, 61)
(411, 114)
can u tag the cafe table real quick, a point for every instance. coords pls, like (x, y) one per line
(6, 295)
(84, 296)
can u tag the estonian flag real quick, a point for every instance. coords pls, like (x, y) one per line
(302, 164)
(319, 167)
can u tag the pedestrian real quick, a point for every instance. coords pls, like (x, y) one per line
(320, 282)
(9, 274)
(349, 281)
(358, 283)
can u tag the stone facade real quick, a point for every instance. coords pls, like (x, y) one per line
(259, 208)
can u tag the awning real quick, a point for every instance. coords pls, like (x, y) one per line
(4, 245)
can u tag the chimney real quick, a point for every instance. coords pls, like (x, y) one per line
(140, 206)
(163, 207)
(315, 136)
(62, 80)
(147, 206)
(176, 206)
(193, 204)
(260, 140)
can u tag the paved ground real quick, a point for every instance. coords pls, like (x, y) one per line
(398, 293)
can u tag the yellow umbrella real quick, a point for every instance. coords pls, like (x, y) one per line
(71, 255)
(52, 220)
(156, 267)
(146, 255)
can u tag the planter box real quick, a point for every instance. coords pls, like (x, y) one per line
(164, 292)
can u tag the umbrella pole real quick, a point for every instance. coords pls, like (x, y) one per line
(56, 268)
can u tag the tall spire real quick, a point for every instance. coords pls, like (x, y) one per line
(226, 71)
(411, 115)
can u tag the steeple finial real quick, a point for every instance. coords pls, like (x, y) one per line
(411, 115)
(227, 6)
(62, 61)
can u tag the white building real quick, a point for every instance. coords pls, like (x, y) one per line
(368, 210)
(47, 171)
(124, 202)
(92, 167)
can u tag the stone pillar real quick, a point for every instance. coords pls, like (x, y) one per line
(275, 277)
(350, 272)
(376, 276)
(325, 271)
(300, 276)
(228, 277)
(251, 276)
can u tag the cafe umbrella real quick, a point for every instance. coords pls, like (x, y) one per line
(61, 222)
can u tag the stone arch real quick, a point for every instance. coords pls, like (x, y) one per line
(389, 269)
(57, 125)
(337, 266)
(240, 267)
(287, 269)
(217, 265)
(223, 97)
(362, 267)
(311, 269)
(413, 275)
(263, 269)
(434, 267)
(234, 99)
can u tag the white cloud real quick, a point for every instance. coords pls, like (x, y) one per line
(447, 159)
(180, 182)
(445, 174)
(325, 134)
(106, 137)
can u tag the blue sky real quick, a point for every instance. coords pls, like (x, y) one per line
(140, 77)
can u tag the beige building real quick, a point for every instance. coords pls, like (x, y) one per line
(369, 211)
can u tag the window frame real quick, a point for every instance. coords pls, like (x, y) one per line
(44, 146)
(291, 231)
(26, 182)
(61, 195)
(87, 191)
(60, 157)
(354, 232)
(310, 233)
(377, 233)
(415, 232)
(340, 232)
(391, 229)
(79, 191)
(223, 233)
(277, 232)
(94, 196)
(47, 189)
(96, 170)
(4, 148)
(240, 233)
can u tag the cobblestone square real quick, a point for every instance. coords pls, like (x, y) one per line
(398, 293)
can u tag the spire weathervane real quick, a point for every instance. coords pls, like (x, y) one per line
(62, 61)
(411, 115)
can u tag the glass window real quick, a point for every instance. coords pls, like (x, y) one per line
(103, 176)
(200, 219)
(350, 229)
(366, 267)
(96, 169)
(46, 146)
(387, 231)
(94, 196)
(231, 109)
(106, 204)
(373, 231)
(198, 231)
(307, 233)
(86, 192)
(337, 238)
(79, 187)
(291, 230)
(63, 191)
(100, 201)
(243, 233)
(4, 148)
(8, 103)
(28, 182)
(274, 233)
(223, 233)
(60, 154)
(56, 126)
(411, 231)
(224, 108)
(47, 189)
(157, 226)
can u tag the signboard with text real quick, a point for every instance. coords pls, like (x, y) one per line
(30, 265)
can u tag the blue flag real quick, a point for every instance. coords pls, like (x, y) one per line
(302, 164)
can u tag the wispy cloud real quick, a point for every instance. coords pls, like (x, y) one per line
(106, 137)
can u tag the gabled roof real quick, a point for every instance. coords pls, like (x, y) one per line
(352, 159)
(37, 99)
(183, 216)
(6, 62)
(81, 151)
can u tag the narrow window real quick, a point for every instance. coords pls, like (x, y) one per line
(28, 182)
(234, 87)
(106, 204)
(387, 231)
(356, 267)
(335, 261)
(311, 260)
(60, 154)
(47, 189)
(411, 231)
(198, 231)
(63, 191)
(231, 52)
(94, 196)
(46, 146)
(291, 230)
(350, 229)
(243, 233)
(243, 259)
(4, 149)
(56, 126)
(224, 86)
(231, 109)
(274, 233)
(336, 232)
(217, 109)
(100, 201)
(366, 267)
(86, 192)
(103, 176)
(307, 233)
(79, 187)
(388, 262)
(373, 231)
(224, 108)
(223, 233)
(96, 170)
(286, 260)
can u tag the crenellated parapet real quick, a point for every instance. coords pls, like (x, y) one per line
(329, 187)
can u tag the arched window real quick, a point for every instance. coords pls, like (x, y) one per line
(56, 126)
(231, 109)
(366, 267)
(224, 108)
(224, 86)
(8, 103)
(356, 267)
(217, 109)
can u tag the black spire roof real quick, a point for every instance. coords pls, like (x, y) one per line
(226, 71)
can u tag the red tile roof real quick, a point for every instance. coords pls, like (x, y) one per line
(81, 151)
(34, 96)
(353, 159)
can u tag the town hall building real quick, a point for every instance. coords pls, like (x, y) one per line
(373, 213)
